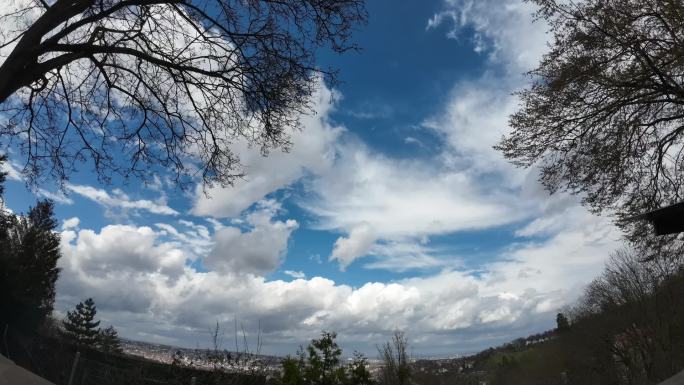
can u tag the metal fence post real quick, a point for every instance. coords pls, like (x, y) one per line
(73, 368)
(4, 340)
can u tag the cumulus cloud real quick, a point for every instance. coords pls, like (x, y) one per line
(142, 284)
(258, 250)
(120, 200)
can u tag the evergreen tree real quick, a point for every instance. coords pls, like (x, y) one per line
(358, 371)
(562, 324)
(80, 325)
(28, 264)
(108, 340)
(293, 370)
(324, 361)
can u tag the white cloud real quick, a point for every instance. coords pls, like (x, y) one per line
(358, 243)
(142, 285)
(372, 197)
(295, 274)
(257, 251)
(70, 223)
(504, 29)
(312, 152)
(119, 200)
(58, 197)
(11, 170)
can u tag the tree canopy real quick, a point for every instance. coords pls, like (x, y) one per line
(80, 326)
(604, 116)
(29, 250)
(130, 85)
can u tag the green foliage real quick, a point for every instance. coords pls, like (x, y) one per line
(562, 323)
(358, 371)
(28, 265)
(80, 326)
(293, 370)
(320, 364)
(627, 329)
(108, 340)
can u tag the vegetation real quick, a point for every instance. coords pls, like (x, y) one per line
(132, 85)
(320, 365)
(395, 369)
(605, 115)
(28, 264)
(80, 326)
(108, 340)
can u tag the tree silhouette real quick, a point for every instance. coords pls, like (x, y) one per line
(395, 369)
(605, 115)
(28, 265)
(324, 361)
(80, 326)
(358, 371)
(108, 340)
(562, 324)
(131, 85)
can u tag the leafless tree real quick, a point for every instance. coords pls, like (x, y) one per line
(605, 115)
(395, 361)
(132, 86)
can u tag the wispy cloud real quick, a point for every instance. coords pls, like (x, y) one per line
(120, 200)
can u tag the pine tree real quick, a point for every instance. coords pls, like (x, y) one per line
(108, 340)
(358, 371)
(28, 264)
(562, 324)
(80, 325)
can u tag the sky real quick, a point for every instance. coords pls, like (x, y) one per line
(391, 212)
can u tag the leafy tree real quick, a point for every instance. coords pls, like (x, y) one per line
(28, 265)
(131, 85)
(562, 324)
(293, 370)
(324, 361)
(320, 365)
(108, 340)
(605, 115)
(358, 371)
(395, 369)
(80, 325)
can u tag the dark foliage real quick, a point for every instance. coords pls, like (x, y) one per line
(28, 265)
(130, 85)
(108, 340)
(80, 326)
(320, 365)
(562, 323)
(605, 115)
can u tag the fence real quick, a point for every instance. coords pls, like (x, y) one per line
(65, 364)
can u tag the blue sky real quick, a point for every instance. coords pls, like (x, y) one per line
(391, 211)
